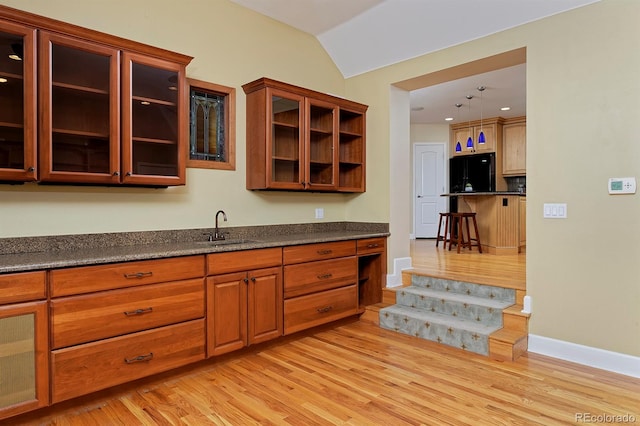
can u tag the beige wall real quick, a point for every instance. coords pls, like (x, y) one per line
(425, 133)
(583, 70)
(231, 46)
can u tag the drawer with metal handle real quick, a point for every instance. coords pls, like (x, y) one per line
(312, 277)
(90, 317)
(82, 369)
(319, 308)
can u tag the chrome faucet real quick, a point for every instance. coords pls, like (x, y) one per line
(217, 235)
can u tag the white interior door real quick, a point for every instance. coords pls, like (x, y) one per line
(429, 183)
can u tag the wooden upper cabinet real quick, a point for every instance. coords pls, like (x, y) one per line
(492, 129)
(18, 118)
(80, 111)
(298, 139)
(154, 121)
(110, 110)
(514, 148)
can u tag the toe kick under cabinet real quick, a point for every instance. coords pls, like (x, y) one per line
(111, 324)
(320, 284)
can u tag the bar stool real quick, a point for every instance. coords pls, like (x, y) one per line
(458, 225)
(446, 237)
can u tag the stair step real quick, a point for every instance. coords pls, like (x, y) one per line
(508, 345)
(457, 332)
(474, 308)
(508, 336)
(461, 287)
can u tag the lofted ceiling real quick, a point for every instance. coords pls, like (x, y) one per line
(364, 35)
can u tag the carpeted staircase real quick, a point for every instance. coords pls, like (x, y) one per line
(454, 313)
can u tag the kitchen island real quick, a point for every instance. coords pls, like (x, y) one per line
(501, 218)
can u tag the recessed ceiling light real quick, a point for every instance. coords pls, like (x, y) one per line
(505, 108)
(448, 119)
(417, 108)
(3, 80)
(145, 103)
(15, 57)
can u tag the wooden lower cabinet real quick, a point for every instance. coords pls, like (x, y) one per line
(114, 323)
(106, 325)
(320, 284)
(24, 367)
(82, 369)
(372, 270)
(243, 307)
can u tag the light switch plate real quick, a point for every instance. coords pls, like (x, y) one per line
(622, 185)
(555, 211)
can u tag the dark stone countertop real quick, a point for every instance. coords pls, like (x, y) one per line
(109, 250)
(474, 193)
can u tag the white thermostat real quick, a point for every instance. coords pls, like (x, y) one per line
(622, 185)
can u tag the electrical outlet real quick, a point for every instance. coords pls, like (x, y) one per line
(622, 185)
(320, 213)
(555, 211)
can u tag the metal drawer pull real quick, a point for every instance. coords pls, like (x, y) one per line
(138, 275)
(325, 309)
(325, 276)
(139, 358)
(325, 251)
(372, 245)
(138, 311)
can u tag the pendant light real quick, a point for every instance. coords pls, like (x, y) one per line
(481, 138)
(458, 146)
(470, 139)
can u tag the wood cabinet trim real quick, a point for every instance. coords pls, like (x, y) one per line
(53, 25)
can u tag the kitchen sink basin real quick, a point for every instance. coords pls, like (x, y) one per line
(217, 243)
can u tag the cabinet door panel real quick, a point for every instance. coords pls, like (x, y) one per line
(226, 313)
(154, 118)
(24, 367)
(265, 305)
(285, 140)
(79, 96)
(18, 103)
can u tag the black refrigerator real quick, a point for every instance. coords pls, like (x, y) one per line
(479, 170)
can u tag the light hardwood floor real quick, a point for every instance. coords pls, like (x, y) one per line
(358, 374)
(355, 373)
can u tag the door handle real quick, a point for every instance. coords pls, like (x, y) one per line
(419, 196)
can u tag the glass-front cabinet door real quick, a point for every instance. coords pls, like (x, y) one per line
(321, 154)
(17, 103)
(285, 143)
(79, 98)
(154, 121)
(24, 372)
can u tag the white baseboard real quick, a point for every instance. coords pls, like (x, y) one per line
(400, 263)
(586, 355)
